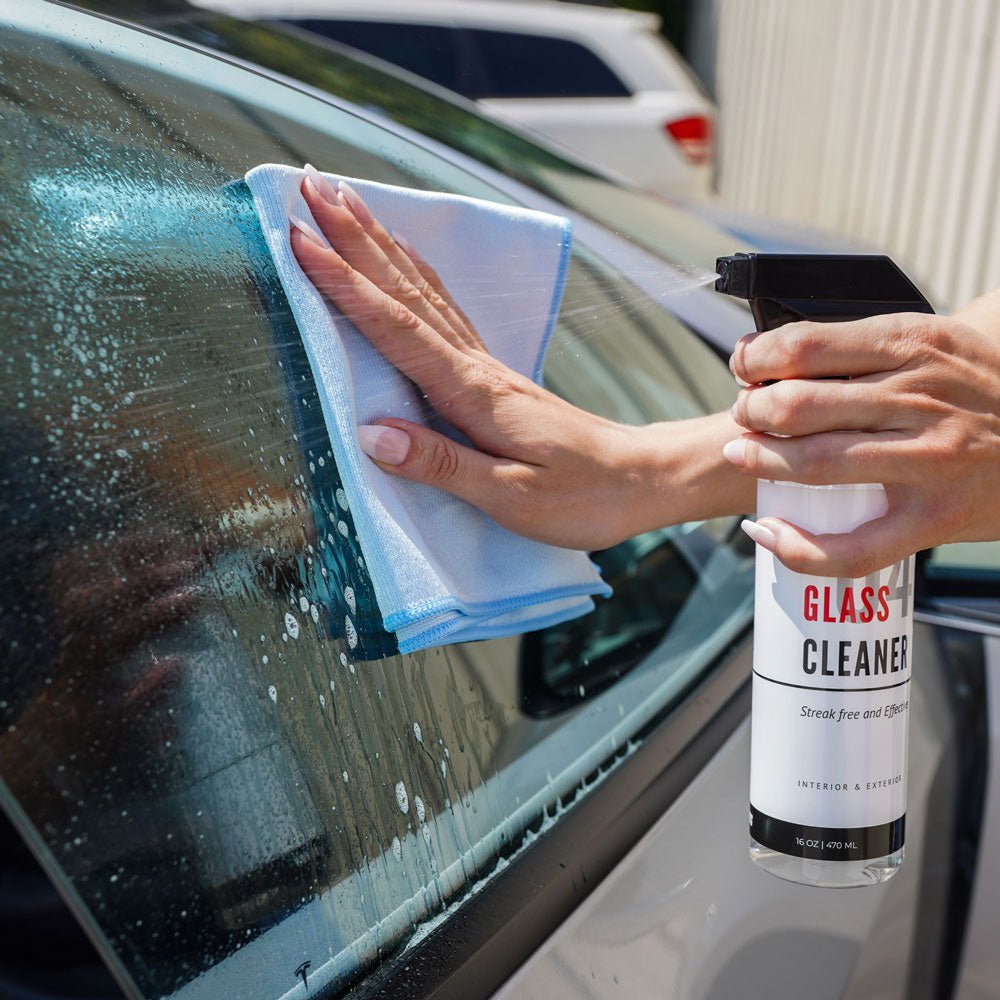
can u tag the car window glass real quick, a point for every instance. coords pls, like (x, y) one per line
(236, 793)
(519, 65)
(433, 52)
(671, 231)
(975, 556)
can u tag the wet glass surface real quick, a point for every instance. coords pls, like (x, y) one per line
(200, 717)
(667, 229)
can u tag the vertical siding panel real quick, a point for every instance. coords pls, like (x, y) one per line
(878, 119)
(874, 203)
(735, 24)
(771, 53)
(785, 99)
(868, 27)
(980, 215)
(940, 174)
(836, 69)
(925, 100)
(953, 249)
(849, 95)
(904, 38)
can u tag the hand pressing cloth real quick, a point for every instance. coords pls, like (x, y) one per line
(442, 570)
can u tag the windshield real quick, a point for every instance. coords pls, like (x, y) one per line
(236, 793)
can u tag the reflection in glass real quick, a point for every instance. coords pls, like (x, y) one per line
(194, 719)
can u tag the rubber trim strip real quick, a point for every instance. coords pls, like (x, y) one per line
(492, 934)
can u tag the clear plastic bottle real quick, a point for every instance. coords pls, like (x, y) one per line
(831, 685)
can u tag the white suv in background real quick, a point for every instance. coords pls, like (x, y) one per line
(600, 81)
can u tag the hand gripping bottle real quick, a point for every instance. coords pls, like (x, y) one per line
(832, 657)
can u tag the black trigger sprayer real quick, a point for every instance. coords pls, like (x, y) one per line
(832, 657)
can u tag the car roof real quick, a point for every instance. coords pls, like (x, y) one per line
(546, 15)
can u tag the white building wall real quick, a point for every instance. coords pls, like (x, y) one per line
(876, 119)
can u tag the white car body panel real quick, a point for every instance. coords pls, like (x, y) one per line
(687, 915)
(625, 134)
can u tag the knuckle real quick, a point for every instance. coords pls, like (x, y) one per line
(440, 461)
(797, 342)
(931, 337)
(399, 315)
(787, 405)
(814, 463)
(403, 289)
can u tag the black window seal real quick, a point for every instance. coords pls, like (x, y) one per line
(474, 951)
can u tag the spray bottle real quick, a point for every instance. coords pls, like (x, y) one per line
(832, 657)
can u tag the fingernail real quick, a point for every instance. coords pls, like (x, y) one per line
(326, 190)
(732, 368)
(355, 203)
(385, 444)
(307, 231)
(763, 536)
(404, 244)
(735, 451)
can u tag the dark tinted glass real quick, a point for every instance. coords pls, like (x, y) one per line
(477, 62)
(521, 65)
(435, 53)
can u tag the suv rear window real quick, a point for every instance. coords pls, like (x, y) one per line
(479, 62)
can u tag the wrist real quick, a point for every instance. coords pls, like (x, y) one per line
(675, 472)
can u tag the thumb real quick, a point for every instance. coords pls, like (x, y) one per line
(869, 547)
(415, 452)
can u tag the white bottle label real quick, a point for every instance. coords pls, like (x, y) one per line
(831, 698)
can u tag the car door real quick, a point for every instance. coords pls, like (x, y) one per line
(238, 795)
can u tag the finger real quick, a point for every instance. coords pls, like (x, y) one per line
(394, 330)
(409, 263)
(870, 547)
(825, 350)
(434, 281)
(415, 452)
(834, 457)
(348, 238)
(797, 407)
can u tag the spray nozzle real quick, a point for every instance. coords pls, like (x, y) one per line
(782, 288)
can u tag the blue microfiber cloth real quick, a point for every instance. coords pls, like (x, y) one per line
(442, 570)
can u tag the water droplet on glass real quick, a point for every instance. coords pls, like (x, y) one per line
(402, 799)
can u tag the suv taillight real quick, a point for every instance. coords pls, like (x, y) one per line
(693, 135)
